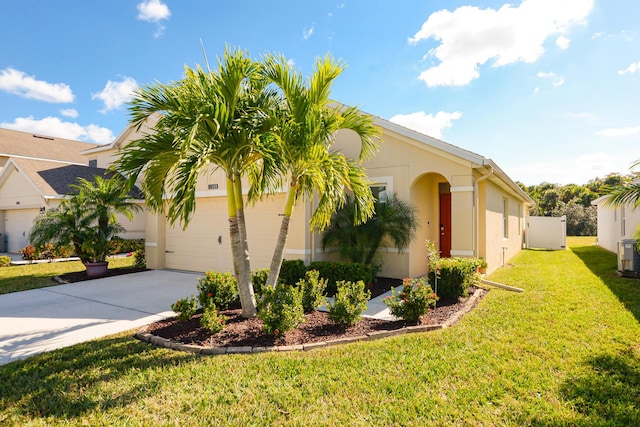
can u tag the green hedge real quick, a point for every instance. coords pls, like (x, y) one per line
(119, 245)
(342, 271)
(455, 276)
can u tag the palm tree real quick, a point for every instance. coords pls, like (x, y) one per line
(625, 194)
(307, 129)
(218, 118)
(395, 220)
(87, 219)
(106, 197)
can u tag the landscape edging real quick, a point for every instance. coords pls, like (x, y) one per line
(196, 349)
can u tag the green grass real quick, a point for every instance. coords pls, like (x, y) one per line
(564, 352)
(33, 276)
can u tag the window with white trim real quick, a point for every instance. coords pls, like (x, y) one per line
(505, 218)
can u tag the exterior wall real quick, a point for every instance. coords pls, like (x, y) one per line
(494, 247)
(16, 192)
(616, 224)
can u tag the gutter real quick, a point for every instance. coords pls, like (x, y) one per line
(476, 210)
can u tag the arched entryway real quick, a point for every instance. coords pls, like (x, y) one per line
(430, 194)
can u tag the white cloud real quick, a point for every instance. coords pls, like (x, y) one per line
(19, 83)
(563, 42)
(428, 124)
(597, 35)
(469, 36)
(115, 94)
(617, 132)
(308, 32)
(69, 112)
(55, 127)
(153, 11)
(556, 79)
(577, 170)
(630, 69)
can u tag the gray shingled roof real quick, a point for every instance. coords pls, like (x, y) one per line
(23, 144)
(53, 178)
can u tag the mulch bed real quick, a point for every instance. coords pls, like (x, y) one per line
(80, 276)
(248, 332)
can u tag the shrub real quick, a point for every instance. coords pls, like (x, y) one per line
(212, 319)
(140, 260)
(291, 271)
(259, 280)
(280, 309)
(312, 288)
(118, 245)
(414, 299)
(454, 276)
(219, 289)
(185, 307)
(29, 253)
(346, 271)
(5, 261)
(349, 302)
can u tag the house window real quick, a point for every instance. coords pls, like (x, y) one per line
(379, 193)
(505, 218)
(519, 219)
(93, 163)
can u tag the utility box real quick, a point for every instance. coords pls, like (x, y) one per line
(628, 258)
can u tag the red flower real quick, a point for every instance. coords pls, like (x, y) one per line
(209, 294)
(276, 332)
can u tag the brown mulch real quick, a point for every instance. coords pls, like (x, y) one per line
(316, 328)
(80, 276)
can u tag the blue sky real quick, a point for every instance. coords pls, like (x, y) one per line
(546, 88)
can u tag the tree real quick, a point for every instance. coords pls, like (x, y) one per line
(220, 118)
(306, 129)
(627, 193)
(87, 219)
(395, 220)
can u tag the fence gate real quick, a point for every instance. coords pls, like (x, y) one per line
(545, 232)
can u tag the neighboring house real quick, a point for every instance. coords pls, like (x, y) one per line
(615, 224)
(466, 204)
(35, 175)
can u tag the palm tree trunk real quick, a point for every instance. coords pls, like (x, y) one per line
(242, 225)
(245, 290)
(278, 253)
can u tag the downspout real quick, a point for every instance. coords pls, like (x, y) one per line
(476, 210)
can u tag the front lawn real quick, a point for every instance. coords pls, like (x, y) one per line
(564, 352)
(33, 276)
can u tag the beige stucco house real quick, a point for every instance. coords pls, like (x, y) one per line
(466, 204)
(35, 174)
(615, 224)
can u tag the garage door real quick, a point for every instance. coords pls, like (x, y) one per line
(205, 244)
(17, 226)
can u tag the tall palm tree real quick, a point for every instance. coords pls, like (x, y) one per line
(307, 129)
(395, 220)
(220, 118)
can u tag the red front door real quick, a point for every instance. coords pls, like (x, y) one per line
(445, 225)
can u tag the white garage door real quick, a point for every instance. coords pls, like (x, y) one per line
(205, 244)
(17, 226)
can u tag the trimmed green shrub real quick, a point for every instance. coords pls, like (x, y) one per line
(414, 299)
(312, 288)
(118, 245)
(349, 302)
(212, 319)
(5, 261)
(292, 271)
(185, 307)
(259, 280)
(219, 289)
(346, 271)
(140, 259)
(280, 309)
(454, 276)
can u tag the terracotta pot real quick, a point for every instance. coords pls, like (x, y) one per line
(96, 269)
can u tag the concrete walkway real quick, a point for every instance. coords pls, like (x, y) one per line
(45, 319)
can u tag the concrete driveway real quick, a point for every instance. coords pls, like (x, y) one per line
(49, 318)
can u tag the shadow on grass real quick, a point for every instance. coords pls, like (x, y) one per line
(608, 393)
(604, 264)
(70, 382)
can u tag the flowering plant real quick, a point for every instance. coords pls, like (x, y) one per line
(212, 319)
(414, 299)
